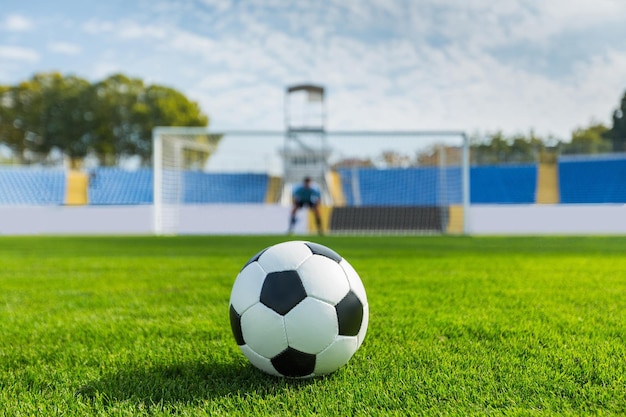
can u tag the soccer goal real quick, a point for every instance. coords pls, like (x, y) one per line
(372, 182)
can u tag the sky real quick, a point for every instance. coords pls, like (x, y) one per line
(547, 66)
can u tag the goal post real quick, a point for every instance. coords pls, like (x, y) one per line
(175, 150)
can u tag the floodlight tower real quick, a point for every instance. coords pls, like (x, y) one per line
(306, 151)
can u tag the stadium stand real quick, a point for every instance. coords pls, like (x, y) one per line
(114, 186)
(600, 179)
(117, 186)
(203, 187)
(31, 186)
(400, 199)
(503, 184)
(400, 186)
(593, 179)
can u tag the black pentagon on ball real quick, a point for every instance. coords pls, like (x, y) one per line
(318, 249)
(349, 315)
(282, 291)
(235, 325)
(293, 363)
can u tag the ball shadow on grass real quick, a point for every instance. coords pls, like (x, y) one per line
(184, 383)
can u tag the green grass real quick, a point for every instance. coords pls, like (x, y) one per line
(458, 326)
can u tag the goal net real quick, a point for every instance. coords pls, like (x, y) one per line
(371, 182)
(177, 152)
(400, 182)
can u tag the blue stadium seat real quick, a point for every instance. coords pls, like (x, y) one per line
(589, 179)
(31, 186)
(402, 186)
(117, 186)
(202, 187)
(503, 184)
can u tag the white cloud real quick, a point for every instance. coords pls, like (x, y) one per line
(132, 30)
(65, 48)
(387, 64)
(219, 5)
(106, 65)
(18, 53)
(95, 26)
(408, 84)
(125, 29)
(583, 12)
(245, 107)
(225, 81)
(190, 43)
(17, 23)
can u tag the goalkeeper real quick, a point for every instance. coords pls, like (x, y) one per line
(308, 195)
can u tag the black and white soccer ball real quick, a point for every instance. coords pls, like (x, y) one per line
(298, 309)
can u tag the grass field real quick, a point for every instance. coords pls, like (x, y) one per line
(462, 326)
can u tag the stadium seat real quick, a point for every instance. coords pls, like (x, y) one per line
(201, 187)
(589, 179)
(503, 184)
(401, 186)
(117, 186)
(31, 186)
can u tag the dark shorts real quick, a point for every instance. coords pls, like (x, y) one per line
(303, 203)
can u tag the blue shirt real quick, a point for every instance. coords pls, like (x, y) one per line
(304, 194)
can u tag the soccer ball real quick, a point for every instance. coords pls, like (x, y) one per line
(298, 309)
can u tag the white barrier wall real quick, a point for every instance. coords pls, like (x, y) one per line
(557, 219)
(224, 219)
(15, 220)
(273, 219)
(137, 219)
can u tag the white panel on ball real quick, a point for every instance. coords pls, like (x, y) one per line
(311, 326)
(336, 355)
(264, 330)
(364, 324)
(247, 287)
(284, 256)
(355, 281)
(331, 285)
(259, 361)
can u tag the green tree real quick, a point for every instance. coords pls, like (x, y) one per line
(44, 113)
(113, 118)
(64, 116)
(127, 111)
(21, 120)
(617, 134)
(526, 148)
(592, 139)
(497, 148)
(10, 134)
(118, 128)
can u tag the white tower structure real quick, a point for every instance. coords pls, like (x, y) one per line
(305, 152)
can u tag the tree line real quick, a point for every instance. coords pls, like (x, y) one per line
(498, 147)
(52, 114)
(593, 139)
